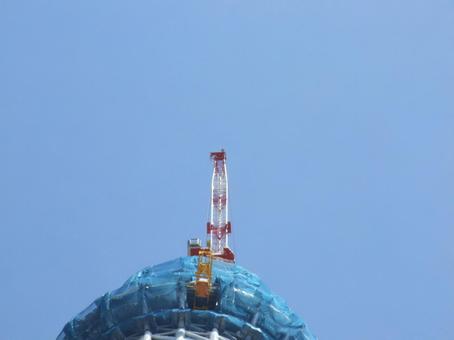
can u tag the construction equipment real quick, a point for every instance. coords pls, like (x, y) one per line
(202, 292)
(202, 284)
(219, 226)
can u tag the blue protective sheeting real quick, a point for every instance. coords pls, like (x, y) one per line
(157, 297)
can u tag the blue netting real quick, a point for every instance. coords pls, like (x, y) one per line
(158, 297)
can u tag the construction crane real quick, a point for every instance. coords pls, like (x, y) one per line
(202, 286)
(218, 227)
(218, 230)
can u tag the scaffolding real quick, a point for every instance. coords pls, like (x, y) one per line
(156, 303)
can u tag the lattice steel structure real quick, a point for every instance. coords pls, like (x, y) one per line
(218, 227)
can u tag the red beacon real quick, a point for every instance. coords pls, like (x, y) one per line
(219, 226)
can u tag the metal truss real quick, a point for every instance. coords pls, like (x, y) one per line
(181, 334)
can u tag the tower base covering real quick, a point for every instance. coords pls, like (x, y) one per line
(155, 304)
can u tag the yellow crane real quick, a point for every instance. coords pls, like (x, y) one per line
(203, 284)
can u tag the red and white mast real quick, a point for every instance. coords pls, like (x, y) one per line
(219, 226)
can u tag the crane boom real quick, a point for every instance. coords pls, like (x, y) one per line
(218, 226)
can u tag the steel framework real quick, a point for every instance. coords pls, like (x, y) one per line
(218, 227)
(181, 334)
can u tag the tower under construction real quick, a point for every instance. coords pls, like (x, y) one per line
(204, 295)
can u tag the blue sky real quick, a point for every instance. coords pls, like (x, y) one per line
(338, 120)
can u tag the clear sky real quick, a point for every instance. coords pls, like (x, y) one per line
(338, 120)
